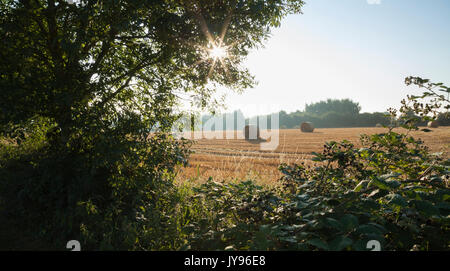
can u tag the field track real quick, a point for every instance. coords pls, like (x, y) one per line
(226, 159)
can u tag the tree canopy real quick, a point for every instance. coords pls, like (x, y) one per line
(95, 61)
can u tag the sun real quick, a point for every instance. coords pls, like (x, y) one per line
(218, 52)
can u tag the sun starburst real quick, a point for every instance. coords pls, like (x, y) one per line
(218, 52)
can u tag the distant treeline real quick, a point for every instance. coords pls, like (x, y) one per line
(331, 113)
(332, 119)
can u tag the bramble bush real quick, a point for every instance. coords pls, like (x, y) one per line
(353, 196)
(391, 189)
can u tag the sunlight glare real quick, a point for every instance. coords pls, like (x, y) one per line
(218, 52)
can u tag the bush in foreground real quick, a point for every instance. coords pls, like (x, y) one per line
(399, 198)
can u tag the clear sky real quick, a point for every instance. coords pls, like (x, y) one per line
(349, 49)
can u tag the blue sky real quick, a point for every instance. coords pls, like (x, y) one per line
(349, 49)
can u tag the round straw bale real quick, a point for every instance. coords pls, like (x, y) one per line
(251, 132)
(433, 124)
(307, 127)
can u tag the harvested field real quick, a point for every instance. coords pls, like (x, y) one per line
(228, 159)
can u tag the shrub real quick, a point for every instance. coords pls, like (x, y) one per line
(391, 190)
(92, 194)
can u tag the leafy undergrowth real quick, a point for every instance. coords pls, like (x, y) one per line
(391, 190)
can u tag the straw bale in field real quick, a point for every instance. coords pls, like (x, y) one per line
(307, 127)
(251, 132)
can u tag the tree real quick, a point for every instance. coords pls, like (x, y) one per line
(344, 106)
(70, 61)
(81, 85)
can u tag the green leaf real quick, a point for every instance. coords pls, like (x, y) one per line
(333, 223)
(378, 226)
(318, 243)
(368, 229)
(444, 194)
(377, 194)
(393, 183)
(361, 185)
(379, 183)
(426, 207)
(349, 222)
(289, 239)
(339, 243)
(301, 205)
(360, 245)
(369, 204)
(396, 199)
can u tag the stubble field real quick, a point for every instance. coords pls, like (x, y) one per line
(229, 159)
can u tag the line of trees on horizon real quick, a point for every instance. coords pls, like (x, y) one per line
(331, 113)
